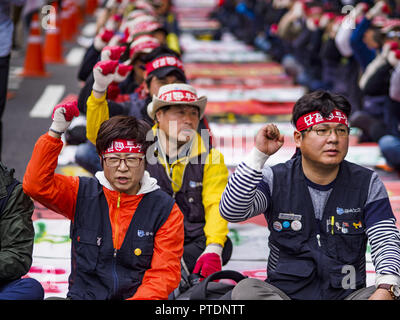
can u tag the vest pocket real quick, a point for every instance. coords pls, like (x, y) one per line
(292, 275)
(288, 240)
(139, 254)
(195, 211)
(345, 277)
(347, 241)
(87, 249)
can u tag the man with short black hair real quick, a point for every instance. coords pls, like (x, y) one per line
(320, 209)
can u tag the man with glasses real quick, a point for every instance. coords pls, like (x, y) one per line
(127, 235)
(186, 167)
(193, 172)
(162, 66)
(320, 209)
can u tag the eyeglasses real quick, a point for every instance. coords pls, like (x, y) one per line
(130, 162)
(326, 132)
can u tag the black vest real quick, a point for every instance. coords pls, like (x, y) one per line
(98, 271)
(318, 260)
(189, 197)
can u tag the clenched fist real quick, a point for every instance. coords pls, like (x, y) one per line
(268, 139)
(62, 116)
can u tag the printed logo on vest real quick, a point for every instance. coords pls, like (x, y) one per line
(142, 233)
(341, 211)
(194, 184)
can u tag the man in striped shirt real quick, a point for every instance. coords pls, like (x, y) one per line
(320, 209)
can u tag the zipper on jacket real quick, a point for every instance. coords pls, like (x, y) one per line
(320, 257)
(114, 271)
(116, 224)
(116, 232)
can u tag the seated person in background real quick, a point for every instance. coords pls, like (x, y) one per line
(390, 143)
(127, 234)
(16, 241)
(187, 168)
(104, 73)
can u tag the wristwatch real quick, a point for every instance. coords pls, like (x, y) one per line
(393, 289)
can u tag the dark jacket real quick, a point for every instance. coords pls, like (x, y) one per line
(314, 254)
(98, 270)
(188, 198)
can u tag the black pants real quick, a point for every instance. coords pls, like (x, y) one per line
(4, 70)
(193, 250)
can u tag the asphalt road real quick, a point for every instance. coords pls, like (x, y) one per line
(20, 130)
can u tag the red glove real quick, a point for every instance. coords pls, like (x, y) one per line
(379, 8)
(122, 72)
(209, 262)
(113, 91)
(120, 75)
(112, 53)
(62, 116)
(394, 57)
(103, 73)
(102, 38)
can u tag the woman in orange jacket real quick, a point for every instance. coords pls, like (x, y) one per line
(127, 235)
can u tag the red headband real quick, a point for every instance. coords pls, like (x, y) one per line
(140, 47)
(177, 96)
(124, 146)
(310, 119)
(168, 61)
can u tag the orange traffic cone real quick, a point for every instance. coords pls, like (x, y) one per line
(66, 33)
(74, 17)
(53, 43)
(34, 64)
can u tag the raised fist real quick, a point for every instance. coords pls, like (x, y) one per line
(380, 8)
(268, 139)
(102, 38)
(394, 57)
(62, 116)
(112, 53)
(122, 72)
(103, 73)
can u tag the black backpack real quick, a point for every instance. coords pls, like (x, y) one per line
(209, 290)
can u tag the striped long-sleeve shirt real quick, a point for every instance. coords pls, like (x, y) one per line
(248, 194)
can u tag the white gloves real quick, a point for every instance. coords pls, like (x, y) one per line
(62, 116)
(111, 53)
(394, 58)
(102, 38)
(380, 8)
(106, 72)
(103, 73)
(122, 72)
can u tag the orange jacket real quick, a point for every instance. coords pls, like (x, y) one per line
(59, 193)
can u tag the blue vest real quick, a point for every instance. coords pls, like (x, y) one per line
(318, 259)
(98, 271)
(188, 198)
